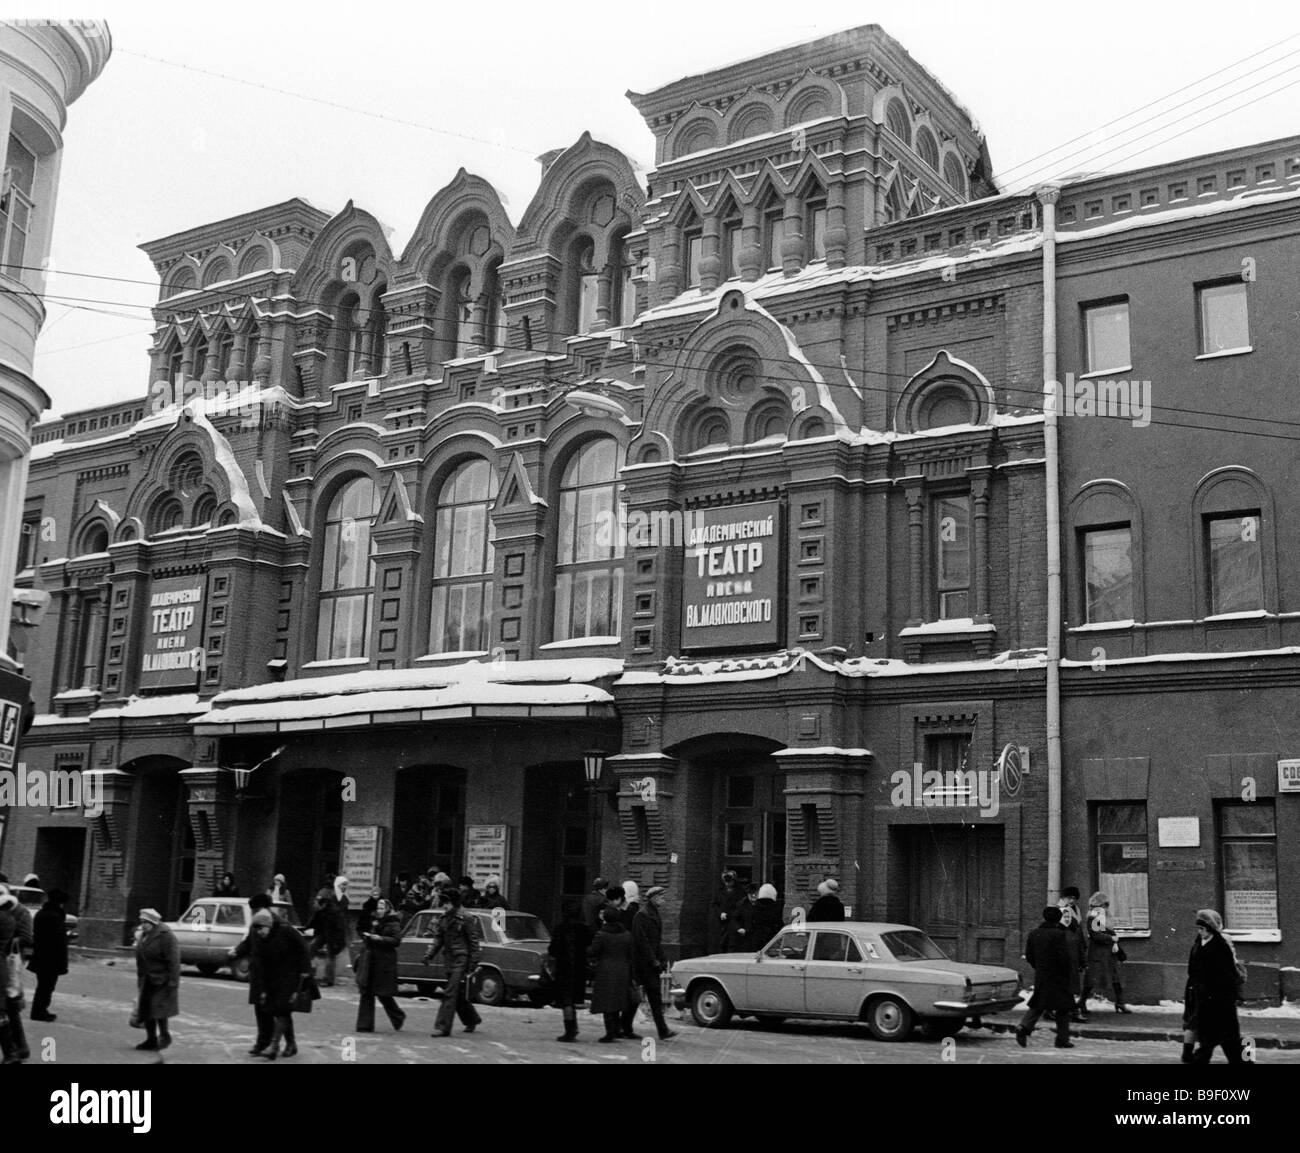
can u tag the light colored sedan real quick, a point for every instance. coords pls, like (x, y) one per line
(212, 926)
(891, 977)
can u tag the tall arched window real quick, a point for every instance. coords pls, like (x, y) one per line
(588, 569)
(460, 618)
(897, 120)
(587, 288)
(378, 336)
(462, 305)
(347, 579)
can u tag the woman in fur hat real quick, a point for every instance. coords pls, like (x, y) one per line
(828, 906)
(158, 979)
(1212, 973)
(1103, 971)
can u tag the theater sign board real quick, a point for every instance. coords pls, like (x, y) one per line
(173, 635)
(731, 580)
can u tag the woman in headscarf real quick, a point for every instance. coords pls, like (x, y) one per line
(158, 979)
(280, 966)
(377, 968)
(1103, 970)
(493, 897)
(828, 906)
(612, 992)
(1212, 974)
(279, 891)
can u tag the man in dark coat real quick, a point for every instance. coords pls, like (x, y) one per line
(49, 952)
(377, 968)
(568, 947)
(592, 904)
(725, 904)
(458, 936)
(648, 959)
(828, 906)
(1047, 949)
(281, 963)
(329, 933)
(611, 993)
(1212, 974)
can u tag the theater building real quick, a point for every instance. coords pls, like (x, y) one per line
(674, 527)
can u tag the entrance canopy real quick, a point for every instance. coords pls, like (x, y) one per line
(502, 690)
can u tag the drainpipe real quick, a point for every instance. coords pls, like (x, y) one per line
(1047, 197)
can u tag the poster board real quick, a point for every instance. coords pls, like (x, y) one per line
(487, 854)
(363, 847)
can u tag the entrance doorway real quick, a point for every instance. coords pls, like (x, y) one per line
(60, 854)
(955, 888)
(162, 864)
(310, 834)
(429, 820)
(558, 860)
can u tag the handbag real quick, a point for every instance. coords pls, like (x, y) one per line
(13, 976)
(307, 992)
(1120, 955)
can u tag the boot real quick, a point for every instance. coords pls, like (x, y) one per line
(1120, 1007)
(272, 1050)
(570, 1030)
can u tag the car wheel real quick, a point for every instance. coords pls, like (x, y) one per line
(242, 968)
(207, 969)
(889, 1019)
(710, 1006)
(940, 1028)
(488, 988)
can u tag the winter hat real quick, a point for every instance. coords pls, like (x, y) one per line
(278, 879)
(151, 915)
(1097, 900)
(655, 890)
(1070, 891)
(325, 895)
(442, 879)
(263, 917)
(767, 892)
(1052, 915)
(832, 885)
(632, 891)
(1210, 919)
(31, 879)
(600, 884)
(7, 899)
(728, 875)
(493, 880)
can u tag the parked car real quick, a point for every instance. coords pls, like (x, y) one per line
(211, 926)
(891, 977)
(514, 960)
(34, 898)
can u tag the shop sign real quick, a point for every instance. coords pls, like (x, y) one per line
(14, 695)
(362, 849)
(1179, 832)
(1288, 776)
(731, 579)
(487, 852)
(173, 646)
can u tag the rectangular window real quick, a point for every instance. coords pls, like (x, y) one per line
(1108, 574)
(1248, 845)
(1122, 864)
(27, 544)
(1224, 323)
(16, 207)
(1232, 549)
(731, 249)
(817, 231)
(694, 254)
(774, 233)
(952, 556)
(588, 603)
(1106, 327)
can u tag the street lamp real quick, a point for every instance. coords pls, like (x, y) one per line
(593, 761)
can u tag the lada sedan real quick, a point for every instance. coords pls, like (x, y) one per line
(891, 977)
(513, 961)
(211, 926)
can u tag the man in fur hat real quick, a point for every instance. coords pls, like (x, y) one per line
(1047, 949)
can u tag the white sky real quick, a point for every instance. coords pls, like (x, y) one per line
(153, 149)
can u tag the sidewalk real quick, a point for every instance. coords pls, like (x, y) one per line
(1165, 1024)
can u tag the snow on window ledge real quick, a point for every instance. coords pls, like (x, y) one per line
(466, 655)
(1250, 614)
(1103, 372)
(1098, 626)
(582, 643)
(1226, 352)
(338, 663)
(941, 628)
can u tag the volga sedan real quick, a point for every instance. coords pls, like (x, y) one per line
(212, 926)
(891, 977)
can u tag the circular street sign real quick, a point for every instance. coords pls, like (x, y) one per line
(1010, 770)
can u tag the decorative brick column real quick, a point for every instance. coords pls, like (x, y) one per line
(105, 913)
(824, 798)
(211, 800)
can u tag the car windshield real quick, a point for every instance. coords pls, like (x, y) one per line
(912, 945)
(525, 927)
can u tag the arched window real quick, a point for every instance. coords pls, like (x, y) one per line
(496, 309)
(953, 173)
(186, 475)
(167, 515)
(348, 339)
(462, 315)
(588, 569)
(460, 618)
(926, 148)
(896, 120)
(347, 579)
(216, 272)
(204, 509)
(93, 540)
(586, 290)
(378, 334)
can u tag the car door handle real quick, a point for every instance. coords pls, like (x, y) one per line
(856, 969)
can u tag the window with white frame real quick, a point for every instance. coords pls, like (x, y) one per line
(952, 561)
(461, 600)
(347, 582)
(1223, 318)
(16, 207)
(1107, 336)
(589, 570)
(1122, 864)
(1235, 562)
(1248, 857)
(1108, 573)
